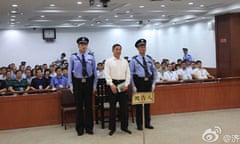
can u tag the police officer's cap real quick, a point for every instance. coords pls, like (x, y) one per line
(184, 49)
(82, 40)
(140, 42)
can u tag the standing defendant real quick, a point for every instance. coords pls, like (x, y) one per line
(117, 75)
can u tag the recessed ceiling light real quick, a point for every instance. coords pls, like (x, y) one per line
(163, 15)
(106, 19)
(42, 16)
(12, 23)
(98, 5)
(202, 5)
(52, 5)
(131, 16)
(127, 11)
(13, 16)
(116, 16)
(79, 2)
(190, 3)
(13, 11)
(163, 5)
(141, 6)
(98, 22)
(12, 19)
(79, 16)
(14, 5)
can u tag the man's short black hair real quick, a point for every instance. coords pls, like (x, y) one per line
(198, 61)
(115, 45)
(57, 68)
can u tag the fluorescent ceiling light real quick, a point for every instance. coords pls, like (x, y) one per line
(52, 5)
(13, 11)
(163, 5)
(141, 6)
(76, 20)
(190, 3)
(14, 5)
(79, 2)
(128, 20)
(95, 11)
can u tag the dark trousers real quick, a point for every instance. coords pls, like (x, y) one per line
(122, 98)
(143, 86)
(83, 98)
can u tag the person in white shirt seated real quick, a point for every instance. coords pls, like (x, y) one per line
(3, 74)
(159, 74)
(170, 75)
(184, 72)
(100, 71)
(201, 73)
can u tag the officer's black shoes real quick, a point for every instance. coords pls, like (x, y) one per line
(89, 132)
(140, 128)
(149, 127)
(80, 133)
(127, 131)
(111, 132)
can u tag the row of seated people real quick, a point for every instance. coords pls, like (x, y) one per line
(37, 82)
(183, 70)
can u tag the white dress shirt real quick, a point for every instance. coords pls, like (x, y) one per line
(170, 76)
(200, 73)
(185, 73)
(117, 69)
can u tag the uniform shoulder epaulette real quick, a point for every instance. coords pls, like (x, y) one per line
(149, 57)
(91, 53)
(134, 57)
(74, 54)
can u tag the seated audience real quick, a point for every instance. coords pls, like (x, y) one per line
(183, 72)
(201, 73)
(44, 67)
(179, 61)
(100, 73)
(59, 81)
(40, 82)
(170, 75)
(52, 71)
(28, 76)
(61, 61)
(65, 73)
(47, 75)
(163, 68)
(3, 87)
(159, 74)
(8, 78)
(19, 84)
(3, 73)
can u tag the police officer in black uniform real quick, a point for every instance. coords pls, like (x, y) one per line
(83, 77)
(144, 76)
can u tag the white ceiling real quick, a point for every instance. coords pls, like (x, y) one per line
(119, 13)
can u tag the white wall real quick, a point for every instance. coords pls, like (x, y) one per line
(28, 45)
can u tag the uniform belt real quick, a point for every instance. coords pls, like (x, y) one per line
(84, 78)
(117, 82)
(136, 76)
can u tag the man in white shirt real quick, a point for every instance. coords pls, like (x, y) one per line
(201, 73)
(184, 72)
(170, 75)
(117, 75)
